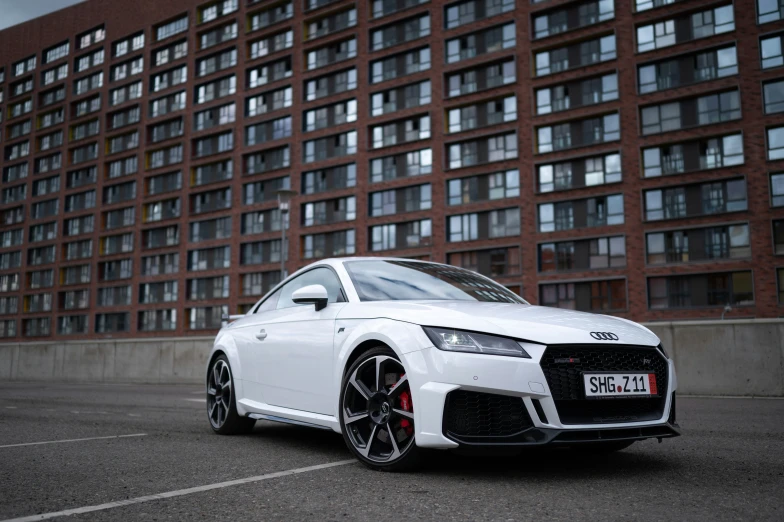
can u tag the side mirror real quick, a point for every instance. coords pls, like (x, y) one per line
(313, 294)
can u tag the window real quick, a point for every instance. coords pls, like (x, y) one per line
(696, 200)
(89, 83)
(330, 24)
(408, 164)
(484, 187)
(700, 244)
(128, 45)
(595, 170)
(484, 150)
(769, 11)
(169, 29)
(565, 58)
(331, 53)
(90, 60)
(400, 65)
(701, 290)
(479, 43)
(702, 24)
(777, 190)
(270, 16)
(170, 53)
(216, 89)
(330, 115)
(709, 153)
(578, 133)
(91, 37)
(771, 51)
(593, 296)
(217, 36)
(53, 75)
(399, 32)
(591, 92)
(335, 146)
(24, 66)
(215, 10)
(773, 93)
(572, 17)
(581, 213)
(775, 143)
(481, 78)
(699, 67)
(462, 13)
(487, 113)
(55, 53)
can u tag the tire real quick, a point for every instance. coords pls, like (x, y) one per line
(602, 448)
(382, 418)
(221, 406)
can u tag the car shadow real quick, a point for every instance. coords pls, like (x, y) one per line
(541, 462)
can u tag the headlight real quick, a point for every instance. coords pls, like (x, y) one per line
(451, 340)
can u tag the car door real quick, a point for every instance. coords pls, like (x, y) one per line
(295, 357)
(247, 337)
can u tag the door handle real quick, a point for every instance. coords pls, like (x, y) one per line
(261, 335)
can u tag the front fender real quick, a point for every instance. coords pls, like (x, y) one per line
(226, 344)
(403, 338)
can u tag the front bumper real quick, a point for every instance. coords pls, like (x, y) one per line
(434, 374)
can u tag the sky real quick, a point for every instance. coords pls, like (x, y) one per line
(14, 12)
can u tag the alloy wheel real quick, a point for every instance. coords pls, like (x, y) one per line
(378, 412)
(219, 393)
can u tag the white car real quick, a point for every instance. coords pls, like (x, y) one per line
(401, 355)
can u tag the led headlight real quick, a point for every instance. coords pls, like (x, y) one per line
(451, 340)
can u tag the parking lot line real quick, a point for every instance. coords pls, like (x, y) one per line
(177, 493)
(72, 440)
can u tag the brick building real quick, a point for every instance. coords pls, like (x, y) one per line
(619, 157)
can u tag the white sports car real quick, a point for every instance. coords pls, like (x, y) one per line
(401, 355)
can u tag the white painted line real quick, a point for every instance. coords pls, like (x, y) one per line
(745, 397)
(196, 400)
(73, 440)
(10, 407)
(177, 493)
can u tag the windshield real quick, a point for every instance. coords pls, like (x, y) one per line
(388, 280)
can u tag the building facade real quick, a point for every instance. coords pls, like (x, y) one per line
(622, 157)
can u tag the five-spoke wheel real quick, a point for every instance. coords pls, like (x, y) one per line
(221, 409)
(377, 414)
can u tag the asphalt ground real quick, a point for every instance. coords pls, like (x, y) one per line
(728, 465)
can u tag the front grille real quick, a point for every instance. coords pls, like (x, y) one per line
(473, 416)
(563, 366)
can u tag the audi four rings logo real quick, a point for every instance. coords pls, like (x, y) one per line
(604, 336)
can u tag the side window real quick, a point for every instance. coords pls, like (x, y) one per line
(271, 303)
(317, 276)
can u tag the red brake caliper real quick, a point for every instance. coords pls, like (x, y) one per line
(405, 405)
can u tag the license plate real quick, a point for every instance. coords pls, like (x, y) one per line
(603, 385)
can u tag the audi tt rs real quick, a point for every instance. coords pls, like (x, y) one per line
(401, 356)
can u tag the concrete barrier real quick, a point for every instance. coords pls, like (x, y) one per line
(737, 357)
(741, 357)
(172, 360)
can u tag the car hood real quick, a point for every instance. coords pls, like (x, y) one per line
(532, 323)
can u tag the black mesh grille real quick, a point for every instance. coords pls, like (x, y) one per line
(471, 414)
(563, 367)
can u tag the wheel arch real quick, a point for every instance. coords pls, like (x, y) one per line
(362, 335)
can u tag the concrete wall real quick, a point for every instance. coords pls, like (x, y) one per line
(169, 360)
(739, 357)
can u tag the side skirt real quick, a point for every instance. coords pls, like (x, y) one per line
(273, 418)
